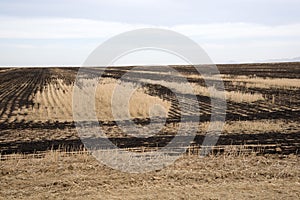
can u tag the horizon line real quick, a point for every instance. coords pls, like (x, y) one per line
(146, 65)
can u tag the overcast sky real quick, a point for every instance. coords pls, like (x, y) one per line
(65, 32)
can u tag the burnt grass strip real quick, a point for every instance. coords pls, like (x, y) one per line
(287, 143)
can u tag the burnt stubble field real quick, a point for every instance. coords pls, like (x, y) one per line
(256, 156)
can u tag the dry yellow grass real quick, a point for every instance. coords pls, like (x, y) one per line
(254, 127)
(76, 176)
(55, 103)
(235, 96)
(258, 82)
(253, 82)
(139, 105)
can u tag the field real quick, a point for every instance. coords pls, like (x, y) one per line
(256, 156)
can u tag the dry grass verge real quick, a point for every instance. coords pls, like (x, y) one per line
(80, 176)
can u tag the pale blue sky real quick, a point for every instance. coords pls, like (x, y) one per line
(64, 32)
